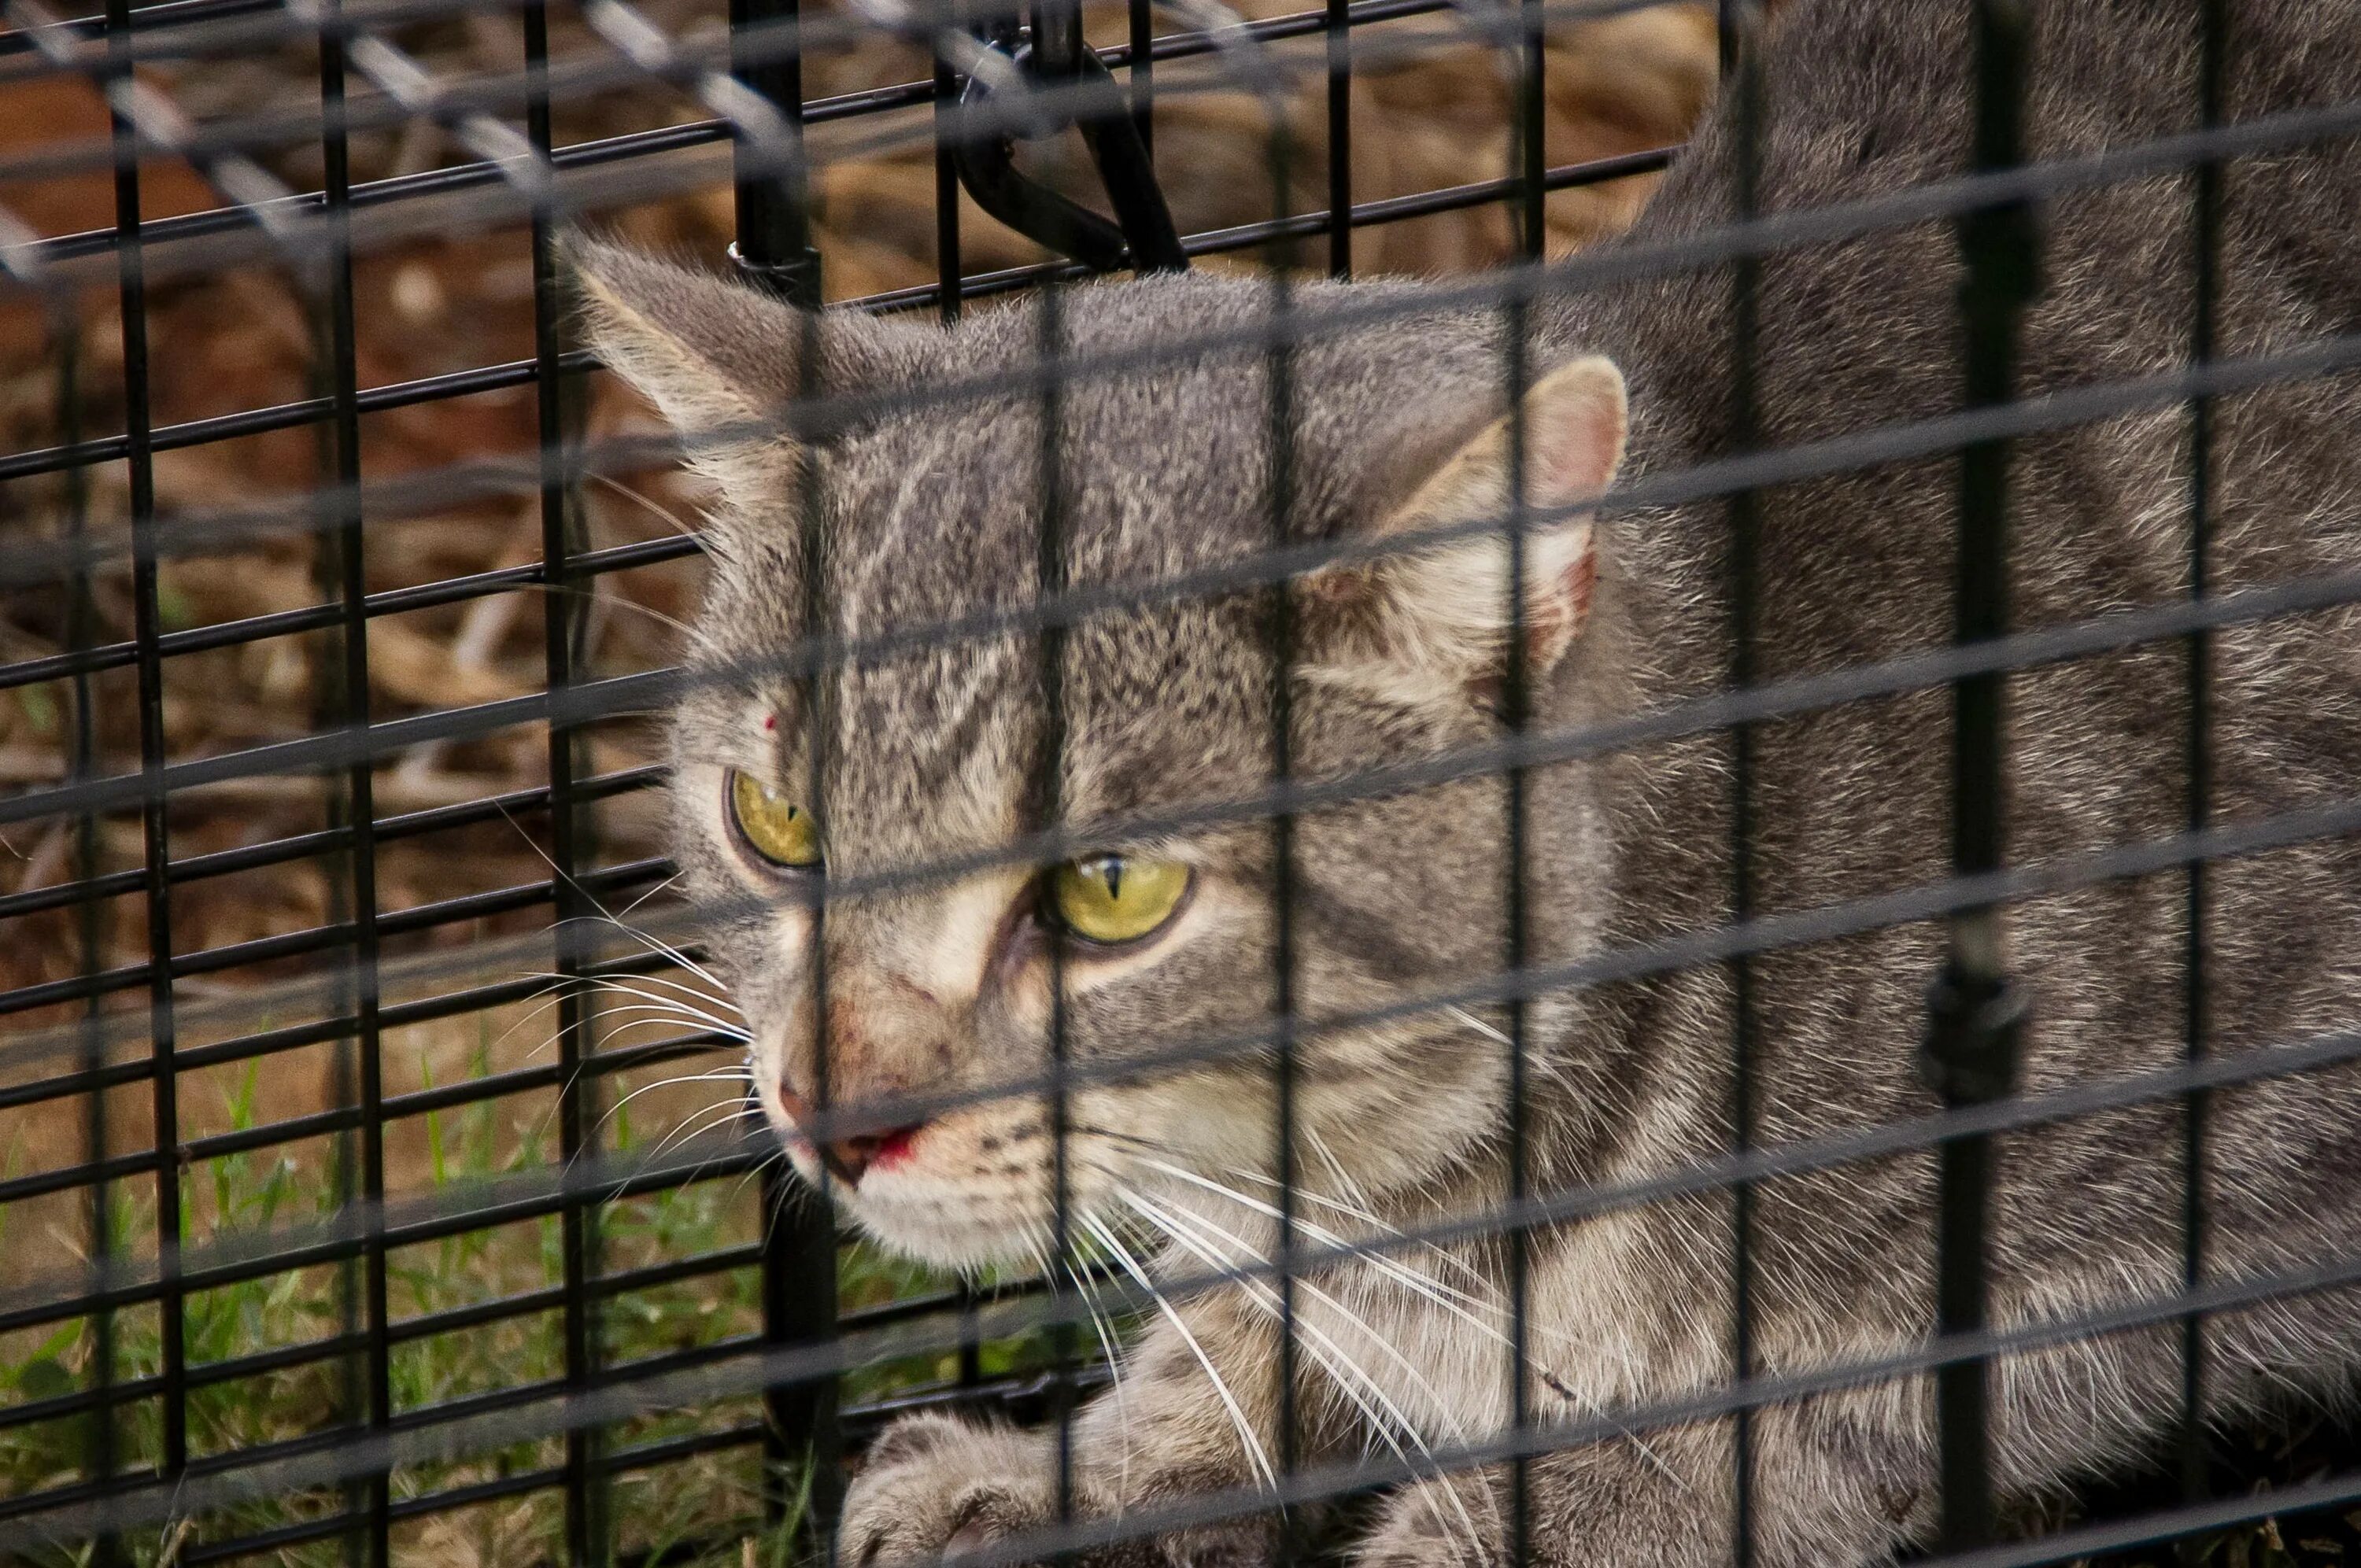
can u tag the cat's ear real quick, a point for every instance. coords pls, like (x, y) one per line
(1433, 624)
(720, 361)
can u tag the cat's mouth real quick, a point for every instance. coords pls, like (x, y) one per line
(965, 1191)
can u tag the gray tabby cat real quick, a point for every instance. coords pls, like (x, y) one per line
(929, 757)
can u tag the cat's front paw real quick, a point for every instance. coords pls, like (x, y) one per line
(935, 1487)
(1445, 1522)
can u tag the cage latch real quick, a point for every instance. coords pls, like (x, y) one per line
(1142, 237)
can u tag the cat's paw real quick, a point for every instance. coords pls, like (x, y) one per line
(1447, 1522)
(933, 1487)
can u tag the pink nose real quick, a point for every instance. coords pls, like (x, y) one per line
(849, 1158)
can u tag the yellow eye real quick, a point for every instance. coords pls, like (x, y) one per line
(773, 825)
(1113, 898)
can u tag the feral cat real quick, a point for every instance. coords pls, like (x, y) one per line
(930, 756)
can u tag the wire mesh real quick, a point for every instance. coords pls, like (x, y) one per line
(262, 1296)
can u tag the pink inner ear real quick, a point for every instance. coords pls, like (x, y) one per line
(1581, 580)
(1575, 433)
(1557, 619)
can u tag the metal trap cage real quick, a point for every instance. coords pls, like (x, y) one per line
(332, 768)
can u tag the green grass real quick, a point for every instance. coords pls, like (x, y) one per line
(707, 1511)
(715, 1499)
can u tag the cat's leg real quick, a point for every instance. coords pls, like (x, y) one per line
(933, 1485)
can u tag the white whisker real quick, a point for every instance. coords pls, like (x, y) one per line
(616, 1109)
(1247, 1438)
(1383, 1417)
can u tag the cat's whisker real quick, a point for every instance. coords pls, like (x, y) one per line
(690, 995)
(718, 1024)
(659, 947)
(702, 1122)
(642, 1015)
(617, 1108)
(697, 994)
(1424, 1285)
(651, 893)
(653, 944)
(1106, 1337)
(1348, 1374)
(1427, 1286)
(1246, 1249)
(591, 986)
(1345, 1183)
(1256, 1456)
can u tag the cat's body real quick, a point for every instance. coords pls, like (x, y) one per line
(931, 757)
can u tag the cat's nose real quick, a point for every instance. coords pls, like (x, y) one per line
(848, 1159)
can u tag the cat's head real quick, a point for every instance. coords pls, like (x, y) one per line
(927, 984)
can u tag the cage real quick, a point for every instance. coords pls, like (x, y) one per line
(380, 1181)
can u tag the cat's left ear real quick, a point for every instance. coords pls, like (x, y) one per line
(1434, 625)
(722, 361)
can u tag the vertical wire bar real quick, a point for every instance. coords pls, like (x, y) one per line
(1532, 139)
(358, 803)
(1742, 74)
(1976, 1012)
(147, 626)
(1048, 791)
(1279, 360)
(2214, 24)
(774, 252)
(1140, 79)
(1516, 702)
(799, 1277)
(774, 208)
(948, 268)
(81, 765)
(586, 1530)
(1336, 21)
(1057, 54)
(947, 274)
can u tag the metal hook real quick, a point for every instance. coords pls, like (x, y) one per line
(1142, 237)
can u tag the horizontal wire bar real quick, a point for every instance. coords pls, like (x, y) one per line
(339, 1026)
(1536, 748)
(250, 1255)
(1943, 199)
(286, 945)
(625, 1399)
(2029, 181)
(855, 1417)
(326, 840)
(1759, 1164)
(468, 383)
(753, 45)
(284, 416)
(1363, 214)
(399, 1331)
(392, 1108)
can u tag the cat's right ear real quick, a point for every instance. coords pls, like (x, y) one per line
(1434, 625)
(722, 362)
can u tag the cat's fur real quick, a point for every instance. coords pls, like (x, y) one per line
(930, 514)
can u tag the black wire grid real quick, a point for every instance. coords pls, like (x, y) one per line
(751, 95)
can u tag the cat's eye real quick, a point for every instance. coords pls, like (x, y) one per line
(1116, 898)
(773, 825)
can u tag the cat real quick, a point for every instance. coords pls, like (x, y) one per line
(923, 494)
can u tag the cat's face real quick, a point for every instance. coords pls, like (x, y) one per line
(892, 953)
